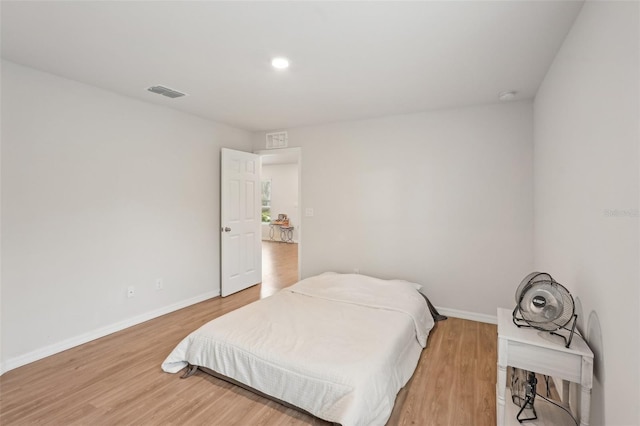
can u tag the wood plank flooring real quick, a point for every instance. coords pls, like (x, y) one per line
(117, 380)
(279, 266)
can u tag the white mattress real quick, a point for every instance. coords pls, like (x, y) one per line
(338, 346)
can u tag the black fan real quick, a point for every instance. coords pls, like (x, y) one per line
(544, 304)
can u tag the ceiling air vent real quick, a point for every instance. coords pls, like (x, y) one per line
(277, 140)
(165, 91)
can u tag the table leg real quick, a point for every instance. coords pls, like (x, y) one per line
(500, 395)
(565, 391)
(501, 384)
(585, 405)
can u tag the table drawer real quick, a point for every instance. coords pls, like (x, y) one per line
(546, 361)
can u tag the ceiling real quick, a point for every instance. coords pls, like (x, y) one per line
(349, 60)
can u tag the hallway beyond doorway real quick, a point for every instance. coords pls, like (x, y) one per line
(279, 266)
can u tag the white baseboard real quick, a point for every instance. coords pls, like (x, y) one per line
(55, 348)
(473, 316)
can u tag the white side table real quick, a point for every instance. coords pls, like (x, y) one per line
(530, 349)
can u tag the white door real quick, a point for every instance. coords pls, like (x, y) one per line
(240, 227)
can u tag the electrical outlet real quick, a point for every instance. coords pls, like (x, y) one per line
(159, 285)
(308, 212)
(131, 291)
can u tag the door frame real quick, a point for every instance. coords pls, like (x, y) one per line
(297, 152)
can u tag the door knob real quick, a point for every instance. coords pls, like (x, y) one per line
(226, 229)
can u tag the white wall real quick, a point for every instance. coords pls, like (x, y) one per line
(587, 183)
(284, 195)
(442, 198)
(101, 192)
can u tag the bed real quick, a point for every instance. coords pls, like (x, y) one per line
(338, 346)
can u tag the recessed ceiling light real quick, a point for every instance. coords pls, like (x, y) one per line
(280, 63)
(507, 95)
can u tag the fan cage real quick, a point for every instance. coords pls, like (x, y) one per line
(561, 320)
(539, 294)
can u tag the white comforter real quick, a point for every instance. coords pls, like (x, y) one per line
(338, 346)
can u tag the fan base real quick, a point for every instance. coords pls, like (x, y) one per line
(520, 323)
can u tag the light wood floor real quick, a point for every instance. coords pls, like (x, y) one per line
(279, 266)
(117, 380)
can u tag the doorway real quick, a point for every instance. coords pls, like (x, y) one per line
(281, 218)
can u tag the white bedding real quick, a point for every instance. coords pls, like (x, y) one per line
(339, 346)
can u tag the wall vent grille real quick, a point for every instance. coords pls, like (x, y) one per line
(277, 140)
(165, 91)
